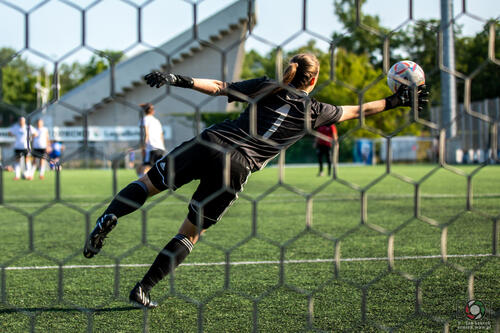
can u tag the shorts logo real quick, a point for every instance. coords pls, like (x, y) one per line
(162, 165)
(474, 310)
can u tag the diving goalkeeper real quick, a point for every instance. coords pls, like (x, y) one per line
(226, 154)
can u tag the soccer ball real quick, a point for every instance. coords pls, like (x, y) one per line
(405, 72)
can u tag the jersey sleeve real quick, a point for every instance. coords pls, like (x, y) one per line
(247, 88)
(326, 114)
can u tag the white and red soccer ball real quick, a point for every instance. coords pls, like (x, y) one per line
(405, 72)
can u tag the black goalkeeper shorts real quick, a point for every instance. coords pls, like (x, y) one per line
(206, 161)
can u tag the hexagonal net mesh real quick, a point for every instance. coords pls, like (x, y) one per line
(405, 239)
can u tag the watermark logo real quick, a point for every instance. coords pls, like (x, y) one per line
(475, 310)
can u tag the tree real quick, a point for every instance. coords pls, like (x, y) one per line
(256, 65)
(471, 53)
(359, 40)
(18, 78)
(71, 76)
(419, 42)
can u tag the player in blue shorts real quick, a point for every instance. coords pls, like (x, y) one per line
(225, 154)
(56, 149)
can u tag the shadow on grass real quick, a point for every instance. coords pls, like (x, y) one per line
(55, 309)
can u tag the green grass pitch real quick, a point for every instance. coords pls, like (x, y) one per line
(301, 258)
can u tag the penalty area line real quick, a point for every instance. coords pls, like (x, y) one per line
(236, 263)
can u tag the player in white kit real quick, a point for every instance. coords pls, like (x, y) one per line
(154, 147)
(23, 163)
(41, 142)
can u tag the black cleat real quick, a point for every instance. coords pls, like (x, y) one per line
(95, 240)
(140, 298)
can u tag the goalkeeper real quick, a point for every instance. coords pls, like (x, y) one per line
(225, 154)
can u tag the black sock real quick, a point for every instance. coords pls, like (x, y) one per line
(167, 260)
(128, 200)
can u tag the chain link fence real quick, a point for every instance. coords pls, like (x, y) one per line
(113, 89)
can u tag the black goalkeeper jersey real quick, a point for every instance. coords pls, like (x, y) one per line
(280, 120)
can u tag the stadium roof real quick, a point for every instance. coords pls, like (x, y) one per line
(128, 74)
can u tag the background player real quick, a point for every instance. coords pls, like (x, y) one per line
(154, 147)
(225, 155)
(56, 150)
(323, 147)
(22, 166)
(41, 142)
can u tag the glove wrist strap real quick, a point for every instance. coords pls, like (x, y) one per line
(392, 102)
(184, 81)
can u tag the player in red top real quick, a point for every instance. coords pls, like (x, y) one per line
(324, 145)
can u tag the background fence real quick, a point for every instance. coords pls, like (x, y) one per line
(472, 142)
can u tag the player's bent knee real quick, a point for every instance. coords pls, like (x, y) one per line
(191, 231)
(200, 220)
(151, 189)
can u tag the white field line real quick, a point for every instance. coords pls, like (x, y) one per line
(20, 201)
(260, 262)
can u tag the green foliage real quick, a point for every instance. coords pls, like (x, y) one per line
(358, 64)
(256, 65)
(419, 42)
(359, 40)
(74, 74)
(18, 94)
(471, 54)
(301, 152)
(70, 76)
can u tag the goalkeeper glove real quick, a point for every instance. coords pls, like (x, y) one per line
(404, 97)
(157, 79)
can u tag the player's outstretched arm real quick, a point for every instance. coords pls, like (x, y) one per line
(402, 97)
(206, 86)
(210, 87)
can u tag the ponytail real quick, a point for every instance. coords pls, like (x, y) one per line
(301, 69)
(299, 72)
(290, 72)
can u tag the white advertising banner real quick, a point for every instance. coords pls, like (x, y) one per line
(404, 148)
(95, 133)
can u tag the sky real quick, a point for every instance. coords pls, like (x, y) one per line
(55, 26)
